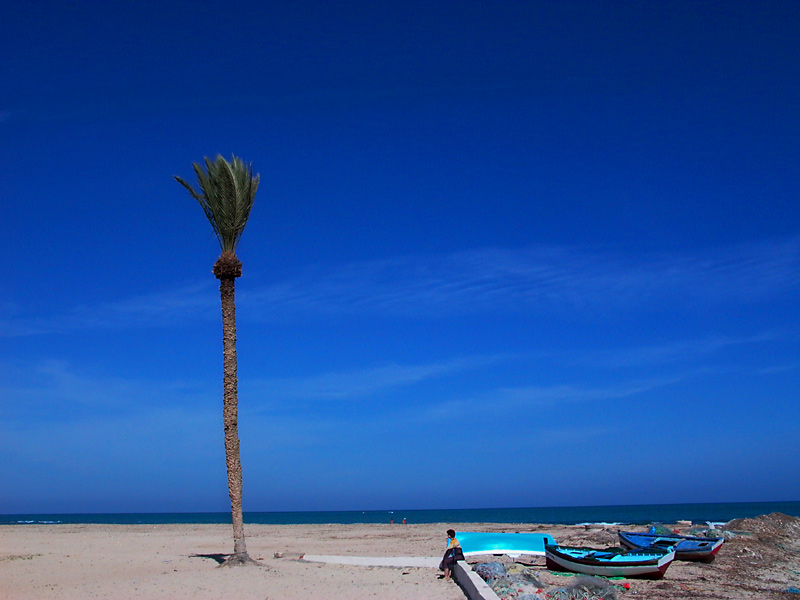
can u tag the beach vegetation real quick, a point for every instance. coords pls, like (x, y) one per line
(227, 191)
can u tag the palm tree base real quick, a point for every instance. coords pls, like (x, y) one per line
(240, 560)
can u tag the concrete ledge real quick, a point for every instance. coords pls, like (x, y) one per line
(429, 562)
(473, 585)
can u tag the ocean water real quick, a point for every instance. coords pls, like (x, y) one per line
(567, 515)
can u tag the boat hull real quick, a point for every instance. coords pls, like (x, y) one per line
(511, 544)
(689, 548)
(591, 561)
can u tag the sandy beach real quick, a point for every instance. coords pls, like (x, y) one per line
(161, 562)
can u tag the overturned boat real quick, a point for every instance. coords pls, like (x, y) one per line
(511, 544)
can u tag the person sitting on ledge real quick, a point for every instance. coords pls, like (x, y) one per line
(452, 555)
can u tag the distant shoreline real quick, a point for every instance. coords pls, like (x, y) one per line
(719, 512)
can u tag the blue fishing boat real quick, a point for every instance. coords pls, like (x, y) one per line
(686, 547)
(650, 563)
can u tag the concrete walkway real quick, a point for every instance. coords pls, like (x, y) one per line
(376, 561)
(473, 586)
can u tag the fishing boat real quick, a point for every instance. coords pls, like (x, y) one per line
(650, 563)
(686, 547)
(512, 544)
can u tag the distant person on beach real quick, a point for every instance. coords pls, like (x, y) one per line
(452, 554)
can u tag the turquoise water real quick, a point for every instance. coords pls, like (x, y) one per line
(568, 515)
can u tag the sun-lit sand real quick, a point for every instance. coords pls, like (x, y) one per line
(115, 562)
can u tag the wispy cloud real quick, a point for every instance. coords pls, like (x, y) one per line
(363, 383)
(510, 401)
(351, 388)
(58, 388)
(677, 351)
(514, 398)
(168, 308)
(538, 279)
(553, 278)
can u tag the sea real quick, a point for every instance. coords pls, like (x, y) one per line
(637, 514)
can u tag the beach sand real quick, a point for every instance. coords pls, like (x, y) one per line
(160, 562)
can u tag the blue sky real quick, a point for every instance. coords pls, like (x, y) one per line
(502, 254)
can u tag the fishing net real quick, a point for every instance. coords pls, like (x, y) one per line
(490, 571)
(583, 588)
(510, 582)
(518, 582)
(659, 529)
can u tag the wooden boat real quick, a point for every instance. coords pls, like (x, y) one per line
(650, 563)
(686, 547)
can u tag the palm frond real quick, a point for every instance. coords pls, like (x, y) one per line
(227, 193)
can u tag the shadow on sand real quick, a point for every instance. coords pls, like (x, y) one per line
(219, 558)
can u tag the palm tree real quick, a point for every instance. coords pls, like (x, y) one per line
(227, 192)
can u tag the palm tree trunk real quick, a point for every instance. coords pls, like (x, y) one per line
(230, 416)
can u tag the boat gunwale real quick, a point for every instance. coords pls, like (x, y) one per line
(654, 568)
(689, 552)
(648, 558)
